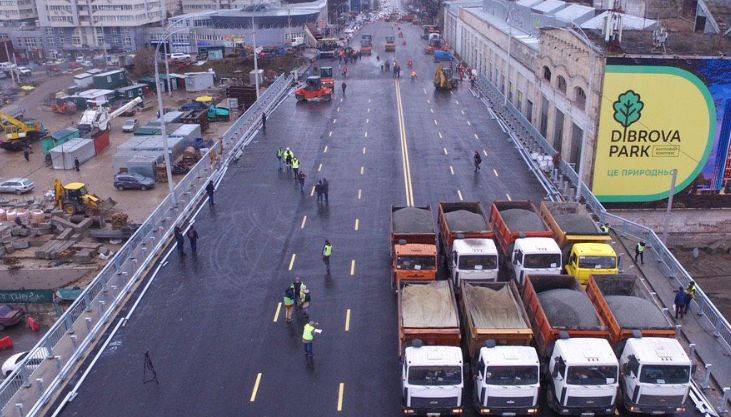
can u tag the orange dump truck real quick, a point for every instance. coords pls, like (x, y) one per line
(413, 245)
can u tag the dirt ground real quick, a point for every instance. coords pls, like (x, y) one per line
(712, 271)
(97, 173)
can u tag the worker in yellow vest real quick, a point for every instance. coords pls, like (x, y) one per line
(327, 250)
(296, 167)
(308, 334)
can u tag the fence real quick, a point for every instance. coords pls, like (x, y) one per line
(42, 373)
(530, 138)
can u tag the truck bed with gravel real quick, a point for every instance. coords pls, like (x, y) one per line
(512, 220)
(571, 223)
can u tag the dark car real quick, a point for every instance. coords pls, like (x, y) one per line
(133, 181)
(10, 316)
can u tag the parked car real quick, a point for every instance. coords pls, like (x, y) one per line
(25, 71)
(10, 316)
(179, 56)
(133, 181)
(129, 125)
(87, 64)
(11, 364)
(16, 185)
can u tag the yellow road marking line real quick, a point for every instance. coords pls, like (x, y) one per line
(330, 134)
(509, 198)
(276, 313)
(364, 150)
(325, 150)
(404, 147)
(477, 137)
(451, 170)
(347, 320)
(256, 388)
(359, 190)
(357, 223)
(459, 193)
(304, 220)
(445, 151)
(440, 135)
(340, 396)
(352, 267)
(495, 173)
(361, 170)
(485, 152)
(291, 262)
(319, 168)
(313, 191)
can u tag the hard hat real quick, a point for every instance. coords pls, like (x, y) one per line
(298, 279)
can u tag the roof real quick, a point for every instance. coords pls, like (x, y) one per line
(503, 26)
(475, 246)
(629, 22)
(589, 350)
(549, 6)
(540, 244)
(104, 74)
(415, 249)
(591, 249)
(638, 42)
(510, 355)
(720, 10)
(74, 185)
(434, 355)
(576, 13)
(82, 76)
(658, 350)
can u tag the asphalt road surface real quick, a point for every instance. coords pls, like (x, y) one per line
(213, 324)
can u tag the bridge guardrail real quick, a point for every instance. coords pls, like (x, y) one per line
(531, 138)
(35, 381)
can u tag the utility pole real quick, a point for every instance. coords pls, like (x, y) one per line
(7, 54)
(510, 43)
(256, 61)
(666, 221)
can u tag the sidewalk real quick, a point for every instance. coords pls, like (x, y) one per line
(696, 329)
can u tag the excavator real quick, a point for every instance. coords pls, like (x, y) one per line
(73, 198)
(444, 79)
(99, 118)
(18, 132)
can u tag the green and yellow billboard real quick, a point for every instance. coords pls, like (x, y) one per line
(658, 115)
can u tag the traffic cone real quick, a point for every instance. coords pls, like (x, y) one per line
(33, 324)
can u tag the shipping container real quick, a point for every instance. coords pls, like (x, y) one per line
(132, 91)
(189, 132)
(101, 141)
(111, 79)
(63, 155)
(83, 80)
(199, 81)
(58, 138)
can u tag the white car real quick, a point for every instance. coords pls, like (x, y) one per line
(24, 71)
(179, 56)
(86, 64)
(16, 185)
(11, 364)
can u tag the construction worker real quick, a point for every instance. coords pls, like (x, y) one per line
(77, 164)
(295, 167)
(680, 302)
(326, 190)
(640, 252)
(478, 160)
(193, 238)
(327, 250)
(210, 188)
(344, 86)
(605, 228)
(288, 155)
(296, 287)
(308, 334)
(318, 190)
(26, 154)
(264, 121)
(301, 180)
(180, 240)
(280, 157)
(288, 303)
(305, 301)
(689, 295)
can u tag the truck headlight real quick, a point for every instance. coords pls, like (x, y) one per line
(532, 410)
(484, 411)
(456, 411)
(680, 409)
(633, 408)
(409, 411)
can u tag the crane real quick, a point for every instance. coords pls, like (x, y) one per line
(17, 133)
(98, 119)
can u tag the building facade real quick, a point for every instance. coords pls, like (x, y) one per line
(17, 10)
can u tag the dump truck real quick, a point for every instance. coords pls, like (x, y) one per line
(390, 45)
(654, 368)
(585, 248)
(505, 368)
(413, 245)
(526, 243)
(366, 44)
(466, 240)
(574, 341)
(429, 340)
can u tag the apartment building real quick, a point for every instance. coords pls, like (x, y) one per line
(13, 11)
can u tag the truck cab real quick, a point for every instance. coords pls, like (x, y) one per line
(535, 256)
(431, 380)
(414, 261)
(473, 259)
(655, 375)
(506, 380)
(586, 259)
(583, 375)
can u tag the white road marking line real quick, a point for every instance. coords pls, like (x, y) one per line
(435, 122)
(367, 120)
(366, 134)
(495, 173)
(477, 137)
(445, 151)
(357, 223)
(347, 320)
(432, 110)
(335, 121)
(325, 150)
(256, 388)
(361, 170)
(462, 111)
(485, 152)
(364, 150)
(291, 262)
(352, 267)
(330, 134)
(313, 191)
(468, 123)
(359, 193)
(451, 170)
(456, 101)
(319, 168)
(341, 389)
(276, 313)
(304, 220)
(440, 135)
(509, 198)
(339, 109)
(459, 193)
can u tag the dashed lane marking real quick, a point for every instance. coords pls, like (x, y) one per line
(432, 110)
(451, 170)
(352, 267)
(304, 220)
(461, 111)
(313, 191)
(445, 151)
(325, 150)
(291, 261)
(459, 194)
(361, 170)
(456, 101)
(477, 137)
(340, 396)
(369, 110)
(335, 121)
(485, 152)
(495, 172)
(330, 134)
(364, 150)
(435, 122)
(424, 90)
(256, 388)
(468, 123)
(366, 134)
(428, 101)
(276, 313)
(369, 100)
(359, 193)
(357, 223)
(319, 168)
(509, 198)
(440, 135)
(339, 109)
(347, 320)
(367, 120)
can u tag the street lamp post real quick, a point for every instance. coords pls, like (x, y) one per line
(509, 10)
(256, 61)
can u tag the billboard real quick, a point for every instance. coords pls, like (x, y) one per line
(663, 114)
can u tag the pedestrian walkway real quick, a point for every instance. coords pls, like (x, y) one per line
(695, 328)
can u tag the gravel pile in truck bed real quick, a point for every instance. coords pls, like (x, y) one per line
(428, 306)
(576, 224)
(636, 313)
(569, 309)
(466, 222)
(412, 220)
(491, 308)
(519, 220)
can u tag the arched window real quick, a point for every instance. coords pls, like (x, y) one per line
(561, 81)
(546, 73)
(580, 97)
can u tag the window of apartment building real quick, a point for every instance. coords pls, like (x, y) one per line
(546, 73)
(510, 91)
(561, 83)
(558, 131)
(576, 134)
(529, 111)
(544, 117)
(580, 98)
(502, 83)
(519, 102)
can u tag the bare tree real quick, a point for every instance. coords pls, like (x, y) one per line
(144, 62)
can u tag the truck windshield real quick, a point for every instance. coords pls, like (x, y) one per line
(591, 375)
(435, 375)
(415, 263)
(511, 375)
(477, 262)
(597, 262)
(665, 374)
(542, 260)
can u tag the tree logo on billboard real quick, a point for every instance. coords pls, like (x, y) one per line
(628, 109)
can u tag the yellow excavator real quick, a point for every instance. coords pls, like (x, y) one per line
(73, 198)
(444, 79)
(17, 133)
